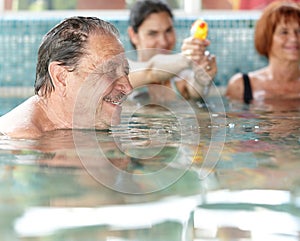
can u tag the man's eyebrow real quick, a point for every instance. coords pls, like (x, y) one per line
(112, 64)
(107, 66)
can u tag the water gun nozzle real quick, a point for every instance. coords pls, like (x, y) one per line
(199, 29)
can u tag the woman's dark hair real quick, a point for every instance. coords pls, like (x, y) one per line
(66, 44)
(142, 9)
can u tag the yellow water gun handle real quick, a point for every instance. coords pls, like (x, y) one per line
(199, 29)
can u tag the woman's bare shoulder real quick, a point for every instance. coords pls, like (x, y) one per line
(235, 87)
(257, 74)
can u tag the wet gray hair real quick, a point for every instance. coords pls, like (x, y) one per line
(66, 43)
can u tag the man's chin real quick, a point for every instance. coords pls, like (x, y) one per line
(98, 123)
(115, 121)
(102, 125)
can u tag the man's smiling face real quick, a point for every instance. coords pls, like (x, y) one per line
(101, 83)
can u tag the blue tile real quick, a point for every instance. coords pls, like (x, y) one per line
(231, 41)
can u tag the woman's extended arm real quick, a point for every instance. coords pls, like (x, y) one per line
(158, 69)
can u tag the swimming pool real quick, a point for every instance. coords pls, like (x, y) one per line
(74, 185)
(8, 103)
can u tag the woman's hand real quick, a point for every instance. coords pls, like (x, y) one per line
(203, 63)
(207, 65)
(194, 49)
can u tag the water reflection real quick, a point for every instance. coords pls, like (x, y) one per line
(47, 177)
(256, 177)
(256, 193)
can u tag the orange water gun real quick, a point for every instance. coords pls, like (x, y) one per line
(199, 29)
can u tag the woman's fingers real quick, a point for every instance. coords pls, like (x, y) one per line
(194, 49)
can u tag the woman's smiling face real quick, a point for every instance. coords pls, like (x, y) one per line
(156, 32)
(286, 41)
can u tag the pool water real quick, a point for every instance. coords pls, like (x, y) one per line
(8, 103)
(160, 175)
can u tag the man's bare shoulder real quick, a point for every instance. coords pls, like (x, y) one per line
(19, 122)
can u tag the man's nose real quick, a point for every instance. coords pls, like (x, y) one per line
(125, 85)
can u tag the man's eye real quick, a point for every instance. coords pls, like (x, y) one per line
(126, 70)
(111, 74)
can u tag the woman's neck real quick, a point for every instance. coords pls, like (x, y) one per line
(283, 71)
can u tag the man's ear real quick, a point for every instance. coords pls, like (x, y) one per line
(58, 75)
(132, 35)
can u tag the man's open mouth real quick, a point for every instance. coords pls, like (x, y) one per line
(116, 100)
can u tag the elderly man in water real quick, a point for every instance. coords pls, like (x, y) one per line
(81, 81)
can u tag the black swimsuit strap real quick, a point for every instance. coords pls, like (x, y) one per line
(247, 89)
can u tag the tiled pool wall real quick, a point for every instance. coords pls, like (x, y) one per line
(231, 41)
